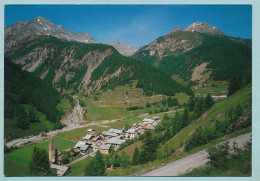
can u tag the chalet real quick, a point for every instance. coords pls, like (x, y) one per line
(86, 149)
(154, 124)
(113, 133)
(88, 137)
(140, 131)
(135, 125)
(104, 133)
(156, 119)
(104, 149)
(223, 96)
(96, 138)
(90, 130)
(78, 146)
(148, 121)
(94, 133)
(115, 142)
(149, 127)
(131, 133)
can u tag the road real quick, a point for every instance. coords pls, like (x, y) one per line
(19, 142)
(190, 162)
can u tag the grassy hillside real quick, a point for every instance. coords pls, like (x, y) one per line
(175, 146)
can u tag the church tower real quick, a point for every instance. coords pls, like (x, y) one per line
(51, 151)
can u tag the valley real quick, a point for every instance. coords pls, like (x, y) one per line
(130, 110)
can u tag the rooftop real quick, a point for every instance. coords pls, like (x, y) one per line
(113, 132)
(84, 147)
(115, 141)
(131, 131)
(104, 147)
(87, 137)
(80, 144)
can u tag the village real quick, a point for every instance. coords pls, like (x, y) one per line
(105, 141)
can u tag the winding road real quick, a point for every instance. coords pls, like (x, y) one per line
(196, 160)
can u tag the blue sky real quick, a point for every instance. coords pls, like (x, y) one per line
(136, 24)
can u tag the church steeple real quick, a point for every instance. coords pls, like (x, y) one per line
(51, 151)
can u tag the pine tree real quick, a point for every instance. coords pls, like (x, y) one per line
(208, 102)
(198, 109)
(135, 159)
(150, 145)
(56, 156)
(40, 165)
(234, 85)
(96, 167)
(185, 118)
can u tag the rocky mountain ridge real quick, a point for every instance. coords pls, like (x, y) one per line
(124, 49)
(41, 26)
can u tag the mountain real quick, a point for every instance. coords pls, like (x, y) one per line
(124, 49)
(80, 67)
(204, 28)
(198, 53)
(41, 26)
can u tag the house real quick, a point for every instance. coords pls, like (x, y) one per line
(78, 146)
(113, 132)
(131, 133)
(140, 131)
(154, 124)
(148, 121)
(94, 139)
(149, 127)
(90, 130)
(223, 96)
(88, 137)
(94, 133)
(104, 133)
(86, 149)
(215, 97)
(156, 119)
(135, 125)
(104, 149)
(115, 142)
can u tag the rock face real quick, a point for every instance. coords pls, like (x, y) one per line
(66, 65)
(203, 28)
(41, 26)
(123, 48)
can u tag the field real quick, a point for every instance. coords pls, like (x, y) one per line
(113, 104)
(16, 162)
(213, 87)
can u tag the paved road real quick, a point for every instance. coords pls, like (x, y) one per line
(196, 160)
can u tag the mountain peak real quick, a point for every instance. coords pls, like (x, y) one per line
(203, 28)
(41, 26)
